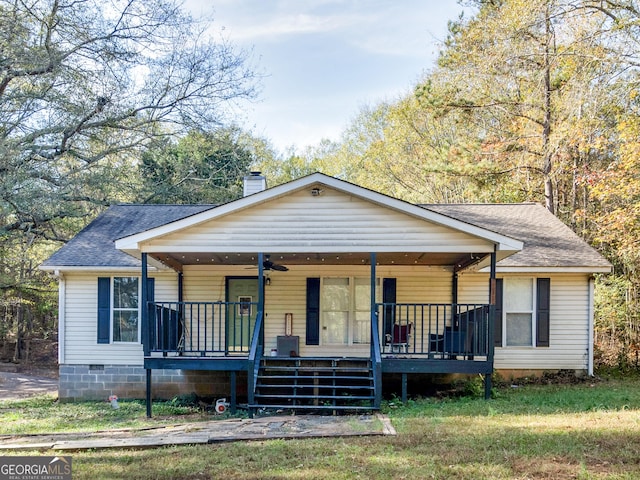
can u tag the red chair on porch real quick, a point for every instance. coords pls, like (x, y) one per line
(400, 338)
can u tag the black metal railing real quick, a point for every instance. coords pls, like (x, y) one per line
(434, 330)
(201, 328)
(376, 359)
(255, 356)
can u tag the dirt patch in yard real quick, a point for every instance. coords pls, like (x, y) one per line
(39, 357)
(16, 385)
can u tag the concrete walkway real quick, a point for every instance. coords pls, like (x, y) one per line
(265, 428)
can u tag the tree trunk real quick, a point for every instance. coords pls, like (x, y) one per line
(549, 197)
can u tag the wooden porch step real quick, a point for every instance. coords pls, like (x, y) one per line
(291, 372)
(312, 384)
(317, 359)
(361, 408)
(308, 387)
(348, 398)
(315, 369)
(316, 377)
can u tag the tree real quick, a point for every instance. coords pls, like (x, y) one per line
(520, 76)
(202, 167)
(85, 85)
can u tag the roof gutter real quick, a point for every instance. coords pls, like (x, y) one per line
(89, 268)
(590, 307)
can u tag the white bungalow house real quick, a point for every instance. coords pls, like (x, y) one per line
(310, 294)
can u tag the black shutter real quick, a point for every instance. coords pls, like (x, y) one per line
(388, 296)
(104, 309)
(497, 324)
(313, 311)
(543, 306)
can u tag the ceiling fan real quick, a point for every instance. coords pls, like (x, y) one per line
(267, 264)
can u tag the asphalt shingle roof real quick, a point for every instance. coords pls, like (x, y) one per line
(94, 245)
(547, 241)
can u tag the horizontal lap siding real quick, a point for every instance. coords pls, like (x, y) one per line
(569, 323)
(287, 294)
(80, 334)
(204, 285)
(331, 222)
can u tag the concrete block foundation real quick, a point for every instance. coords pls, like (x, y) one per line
(98, 382)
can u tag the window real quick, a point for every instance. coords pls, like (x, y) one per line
(346, 310)
(523, 312)
(519, 311)
(125, 309)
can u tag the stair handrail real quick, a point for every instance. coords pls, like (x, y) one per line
(376, 356)
(255, 355)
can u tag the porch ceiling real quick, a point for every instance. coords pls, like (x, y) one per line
(455, 260)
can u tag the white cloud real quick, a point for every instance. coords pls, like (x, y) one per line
(289, 24)
(324, 58)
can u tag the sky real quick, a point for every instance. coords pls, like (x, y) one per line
(324, 60)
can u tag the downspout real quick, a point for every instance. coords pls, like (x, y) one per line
(62, 295)
(591, 325)
(492, 315)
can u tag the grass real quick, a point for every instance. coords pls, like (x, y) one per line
(584, 431)
(44, 414)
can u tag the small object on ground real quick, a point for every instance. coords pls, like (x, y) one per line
(221, 405)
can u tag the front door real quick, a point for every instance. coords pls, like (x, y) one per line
(242, 298)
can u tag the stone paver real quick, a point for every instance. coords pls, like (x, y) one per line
(288, 427)
(18, 386)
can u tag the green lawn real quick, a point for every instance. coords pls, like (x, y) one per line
(585, 431)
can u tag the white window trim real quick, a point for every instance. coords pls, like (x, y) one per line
(534, 296)
(112, 309)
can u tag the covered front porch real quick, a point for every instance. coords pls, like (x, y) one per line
(318, 270)
(251, 336)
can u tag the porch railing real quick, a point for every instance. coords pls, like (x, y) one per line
(376, 358)
(255, 356)
(434, 330)
(201, 328)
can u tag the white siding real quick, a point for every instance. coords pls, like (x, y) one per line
(80, 329)
(332, 222)
(288, 290)
(569, 336)
(569, 324)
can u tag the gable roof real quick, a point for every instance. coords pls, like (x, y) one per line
(94, 246)
(506, 244)
(548, 242)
